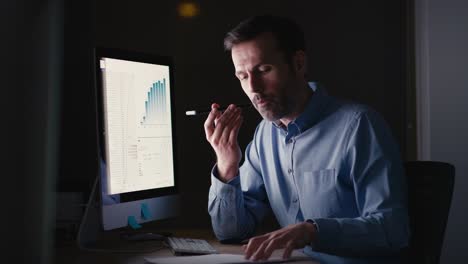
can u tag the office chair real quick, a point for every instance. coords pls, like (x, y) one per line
(430, 188)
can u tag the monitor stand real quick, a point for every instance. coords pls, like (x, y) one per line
(89, 230)
(91, 237)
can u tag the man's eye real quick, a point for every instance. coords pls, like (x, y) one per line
(264, 69)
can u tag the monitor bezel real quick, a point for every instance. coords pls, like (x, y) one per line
(137, 56)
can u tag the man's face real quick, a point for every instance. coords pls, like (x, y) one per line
(265, 76)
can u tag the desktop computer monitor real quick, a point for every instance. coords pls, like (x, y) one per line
(137, 151)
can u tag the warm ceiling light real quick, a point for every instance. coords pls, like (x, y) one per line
(188, 9)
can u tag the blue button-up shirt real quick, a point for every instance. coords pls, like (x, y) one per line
(336, 164)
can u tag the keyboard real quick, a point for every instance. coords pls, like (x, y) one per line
(189, 246)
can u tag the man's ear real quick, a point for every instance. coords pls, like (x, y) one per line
(299, 62)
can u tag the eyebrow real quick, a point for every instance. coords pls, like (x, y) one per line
(254, 68)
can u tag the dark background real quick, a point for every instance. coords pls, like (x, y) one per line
(357, 49)
(362, 50)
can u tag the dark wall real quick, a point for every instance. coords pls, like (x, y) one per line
(30, 73)
(357, 49)
(78, 129)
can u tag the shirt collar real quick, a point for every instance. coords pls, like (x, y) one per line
(311, 114)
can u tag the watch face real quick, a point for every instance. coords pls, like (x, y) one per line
(312, 222)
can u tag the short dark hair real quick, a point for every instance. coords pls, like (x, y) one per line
(288, 34)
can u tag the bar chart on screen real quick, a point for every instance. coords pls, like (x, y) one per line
(156, 104)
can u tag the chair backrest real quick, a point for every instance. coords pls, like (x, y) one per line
(430, 188)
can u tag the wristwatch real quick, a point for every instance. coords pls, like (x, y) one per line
(312, 222)
(307, 236)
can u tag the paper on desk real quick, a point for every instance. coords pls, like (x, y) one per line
(221, 259)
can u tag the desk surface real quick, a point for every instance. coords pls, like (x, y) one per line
(68, 252)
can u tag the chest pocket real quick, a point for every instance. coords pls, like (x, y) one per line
(319, 195)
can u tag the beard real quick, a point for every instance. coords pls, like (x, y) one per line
(272, 107)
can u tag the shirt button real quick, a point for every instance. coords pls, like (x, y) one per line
(295, 200)
(290, 171)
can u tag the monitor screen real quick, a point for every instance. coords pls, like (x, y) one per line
(136, 137)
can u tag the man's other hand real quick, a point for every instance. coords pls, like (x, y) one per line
(290, 237)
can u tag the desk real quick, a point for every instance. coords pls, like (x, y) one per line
(68, 252)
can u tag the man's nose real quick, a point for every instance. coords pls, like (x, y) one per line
(255, 84)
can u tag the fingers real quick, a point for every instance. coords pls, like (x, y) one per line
(275, 243)
(289, 238)
(265, 249)
(252, 246)
(261, 247)
(288, 250)
(209, 124)
(235, 129)
(224, 124)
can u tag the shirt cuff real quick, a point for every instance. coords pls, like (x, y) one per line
(220, 188)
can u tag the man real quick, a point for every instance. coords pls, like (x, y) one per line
(329, 170)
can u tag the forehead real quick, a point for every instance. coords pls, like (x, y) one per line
(261, 49)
